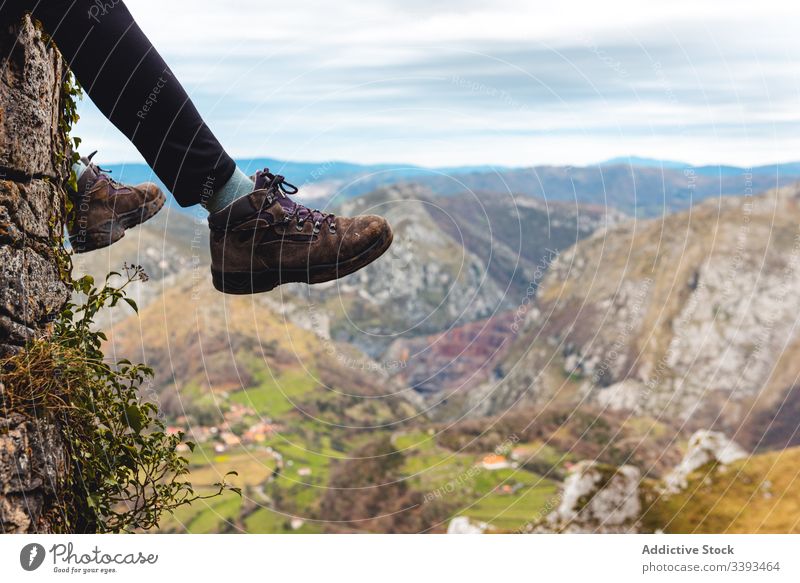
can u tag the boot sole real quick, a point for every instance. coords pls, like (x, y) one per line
(245, 282)
(109, 233)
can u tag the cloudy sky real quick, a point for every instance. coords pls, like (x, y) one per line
(507, 82)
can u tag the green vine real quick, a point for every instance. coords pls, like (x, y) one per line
(125, 469)
(71, 93)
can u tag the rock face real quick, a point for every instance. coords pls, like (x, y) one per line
(31, 460)
(691, 319)
(704, 447)
(597, 498)
(31, 179)
(462, 525)
(454, 260)
(32, 174)
(426, 282)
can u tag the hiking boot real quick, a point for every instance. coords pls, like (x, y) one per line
(265, 239)
(103, 208)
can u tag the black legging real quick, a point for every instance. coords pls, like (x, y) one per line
(130, 83)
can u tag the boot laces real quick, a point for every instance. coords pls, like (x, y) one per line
(299, 212)
(101, 171)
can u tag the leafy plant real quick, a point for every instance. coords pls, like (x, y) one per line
(125, 469)
(71, 93)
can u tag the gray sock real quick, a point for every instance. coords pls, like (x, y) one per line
(238, 186)
(78, 168)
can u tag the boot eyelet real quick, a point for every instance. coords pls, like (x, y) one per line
(332, 229)
(300, 225)
(316, 227)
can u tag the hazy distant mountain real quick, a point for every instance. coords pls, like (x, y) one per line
(638, 191)
(325, 179)
(784, 169)
(644, 162)
(636, 186)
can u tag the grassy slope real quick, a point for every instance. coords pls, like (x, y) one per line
(755, 495)
(220, 351)
(470, 490)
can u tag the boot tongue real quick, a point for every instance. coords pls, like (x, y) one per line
(263, 180)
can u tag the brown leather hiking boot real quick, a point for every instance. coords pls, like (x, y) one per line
(266, 239)
(103, 208)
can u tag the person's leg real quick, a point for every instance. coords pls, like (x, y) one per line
(260, 237)
(131, 84)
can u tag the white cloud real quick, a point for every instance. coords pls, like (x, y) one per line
(508, 82)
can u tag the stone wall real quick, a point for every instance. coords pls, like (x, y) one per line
(32, 174)
(32, 458)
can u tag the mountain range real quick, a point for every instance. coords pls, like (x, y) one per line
(691, 318)
(635, 186)
(503, 339)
